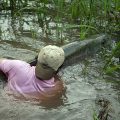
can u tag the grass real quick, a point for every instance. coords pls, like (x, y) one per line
(87, 16)
(95, 116)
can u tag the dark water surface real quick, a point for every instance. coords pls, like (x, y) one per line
(86, 87)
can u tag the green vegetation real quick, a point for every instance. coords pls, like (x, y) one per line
(111, 63)
(95, 117)
(87, 16)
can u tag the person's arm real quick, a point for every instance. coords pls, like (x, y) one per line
(2, 74)
(5, 65)
(1, 59)
(1, 70)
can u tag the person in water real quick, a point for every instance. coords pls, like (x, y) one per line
(40, 81)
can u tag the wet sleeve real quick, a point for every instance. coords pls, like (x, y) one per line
(6, 66)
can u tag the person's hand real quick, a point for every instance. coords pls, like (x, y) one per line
(1, 59)
(33, 62)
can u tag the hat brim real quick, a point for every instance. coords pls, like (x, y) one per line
(44, 73)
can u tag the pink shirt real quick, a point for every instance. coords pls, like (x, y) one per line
(22, 79)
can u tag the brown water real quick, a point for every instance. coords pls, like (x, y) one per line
(85, 83)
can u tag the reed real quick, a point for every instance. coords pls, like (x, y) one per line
(102, 15)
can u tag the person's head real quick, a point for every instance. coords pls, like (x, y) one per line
(50, 58)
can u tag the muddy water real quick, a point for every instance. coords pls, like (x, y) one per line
(85, 86)
(85, 83)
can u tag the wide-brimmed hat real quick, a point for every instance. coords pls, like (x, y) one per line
(50, 59)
